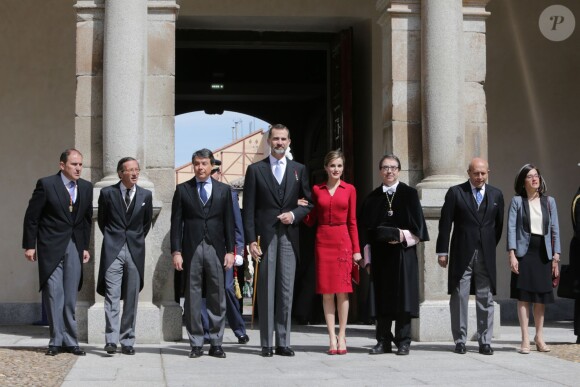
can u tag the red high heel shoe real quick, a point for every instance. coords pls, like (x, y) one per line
(342, 351)
(333, 351)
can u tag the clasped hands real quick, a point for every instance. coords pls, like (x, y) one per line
(229, 260)
(30, 255)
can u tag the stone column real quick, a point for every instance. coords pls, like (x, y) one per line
(442, 91)
(123, 134)
(401, 56)
(88, 127)
(474, 63)
(448, 69)
(124, 72)
(160, 158)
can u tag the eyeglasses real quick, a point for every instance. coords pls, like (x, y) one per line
(134, 170)
(389, 168)
(531, 177)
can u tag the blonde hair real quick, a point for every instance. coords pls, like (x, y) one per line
(333, 154)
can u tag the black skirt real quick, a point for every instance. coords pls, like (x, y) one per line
(534, 283)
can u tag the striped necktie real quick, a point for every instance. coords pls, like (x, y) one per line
(478, 196)
(202, 192)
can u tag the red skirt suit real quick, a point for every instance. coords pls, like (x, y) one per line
(336, 237)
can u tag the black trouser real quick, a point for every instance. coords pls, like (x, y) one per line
(402, 329)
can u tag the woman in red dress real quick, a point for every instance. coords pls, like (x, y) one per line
(336, 246)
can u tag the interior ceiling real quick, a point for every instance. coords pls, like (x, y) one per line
(254, 68)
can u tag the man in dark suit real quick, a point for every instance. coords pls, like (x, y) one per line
(202, 243)
(125, 214)
(393, 208)
(272, 217)
(57, 230)
(475, 211)
(233, 308)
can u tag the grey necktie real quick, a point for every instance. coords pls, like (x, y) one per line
(278, 172)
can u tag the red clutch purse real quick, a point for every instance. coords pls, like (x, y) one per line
(355, 274)
(555, 281)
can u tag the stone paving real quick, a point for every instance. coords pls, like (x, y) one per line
(29, 366)
(23, 363)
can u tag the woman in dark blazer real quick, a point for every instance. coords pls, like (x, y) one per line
(533, 244)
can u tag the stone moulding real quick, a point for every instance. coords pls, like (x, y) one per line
(89, 10)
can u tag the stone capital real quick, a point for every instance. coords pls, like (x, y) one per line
(475, 9)
(88, 10)
(163, 10)
(390, 9)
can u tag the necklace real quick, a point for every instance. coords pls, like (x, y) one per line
(390, 199)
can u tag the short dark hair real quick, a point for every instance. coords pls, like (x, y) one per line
(391, 157)
(64, 155)
(333, 154)
(278, 127)
(203, 154)
(519, 182)
(123, 161)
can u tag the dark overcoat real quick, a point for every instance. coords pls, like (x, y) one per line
(49, 225)
(118, 230)
(394, 267)
(262, 204)
(470, 232)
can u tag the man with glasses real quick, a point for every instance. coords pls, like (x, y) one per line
(125, 215)
(474, 210)
(392, 224)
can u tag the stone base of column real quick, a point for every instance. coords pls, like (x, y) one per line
(432, 190)
(154, 324)
(81, 315)
(434, 323)
(171, 320)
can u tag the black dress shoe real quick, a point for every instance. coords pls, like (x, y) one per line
(75, 351)
(51, 351)
(267, 351)
(217, 351)
(243, 339)
(460, 348)
(111, 348)
(381, 347)
(196, 352)
(284, 351)
(127, 350)
(403, 350)
(485, 349)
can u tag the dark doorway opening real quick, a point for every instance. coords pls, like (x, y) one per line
(297, 79)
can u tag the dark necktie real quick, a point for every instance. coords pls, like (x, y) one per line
(202, 193)
(128, 197)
